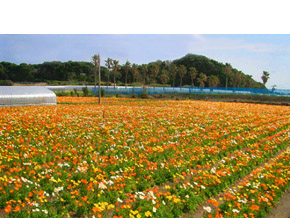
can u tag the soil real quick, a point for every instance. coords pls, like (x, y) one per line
(30, 84)
(255, 99)
(282, 209)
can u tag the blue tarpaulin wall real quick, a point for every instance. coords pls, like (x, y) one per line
(163, 90)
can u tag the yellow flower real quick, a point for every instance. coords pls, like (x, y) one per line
(134, 212)
(169, 197)
(111, 206)
(176, 200)
(148, 214)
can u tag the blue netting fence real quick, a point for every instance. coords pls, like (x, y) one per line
(190, 90)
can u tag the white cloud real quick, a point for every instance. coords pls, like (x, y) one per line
(202, 43)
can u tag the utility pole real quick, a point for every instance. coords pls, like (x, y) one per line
(97, 63)
(99, 78)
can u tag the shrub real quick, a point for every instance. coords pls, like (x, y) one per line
(85, 91)
(102, 92)
(120, 83)
(143, 94)
(6, 83)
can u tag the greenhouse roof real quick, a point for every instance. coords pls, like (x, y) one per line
(26, 95)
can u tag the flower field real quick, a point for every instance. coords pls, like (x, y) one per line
(143, 158)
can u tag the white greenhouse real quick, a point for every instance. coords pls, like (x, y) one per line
(26, 95)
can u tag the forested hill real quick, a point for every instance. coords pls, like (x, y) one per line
(212, 68)
(190, 70)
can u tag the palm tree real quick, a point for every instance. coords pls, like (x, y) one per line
(134, 74)
(109, 66)
(237, 79)
(97, 64)
(173, 70)
(144, 69)
(193, 74)
(127, 67)
(116, 67)
(164, 77)
(182, 71)
(155, 71)
(228, 71)
(265, 77)
(213, 81)
(249, 81)
(201, 79)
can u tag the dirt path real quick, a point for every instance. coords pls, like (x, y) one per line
(282, 209)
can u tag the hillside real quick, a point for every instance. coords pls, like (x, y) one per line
(211, 67)
(165, 73)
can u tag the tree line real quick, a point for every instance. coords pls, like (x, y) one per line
(190, 70)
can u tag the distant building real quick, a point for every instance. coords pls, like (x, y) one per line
(26, 95)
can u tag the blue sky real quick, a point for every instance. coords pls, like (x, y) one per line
(251, 54)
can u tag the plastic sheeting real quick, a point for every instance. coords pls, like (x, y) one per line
(192, 90)
(26, 95)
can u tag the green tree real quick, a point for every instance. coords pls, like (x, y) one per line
(237, 78)
(249, 81)
(164, 77)
(193, 74)
(182, 71)
(155, 70)
(2, 72)
(201, 79)
(173, 71)
(228, 71)
(135, 73)
(144, 70)
(116, 68)
(24, 72)
(127, 68)
(108, 64)
(213, 81)
(265, 77)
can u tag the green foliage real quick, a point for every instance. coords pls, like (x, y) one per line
(143, 94)
(102, 92)
(85, 91)
(6, 83)
(265, 77)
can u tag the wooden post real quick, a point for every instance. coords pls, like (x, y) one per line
(99, 78)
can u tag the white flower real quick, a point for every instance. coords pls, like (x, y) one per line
(102, 186)
(45, 211)
(202, 187)
(208, 209)
(236, 211)
(119, 200)
(110, 182)
(154, 209)
(153, 202)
